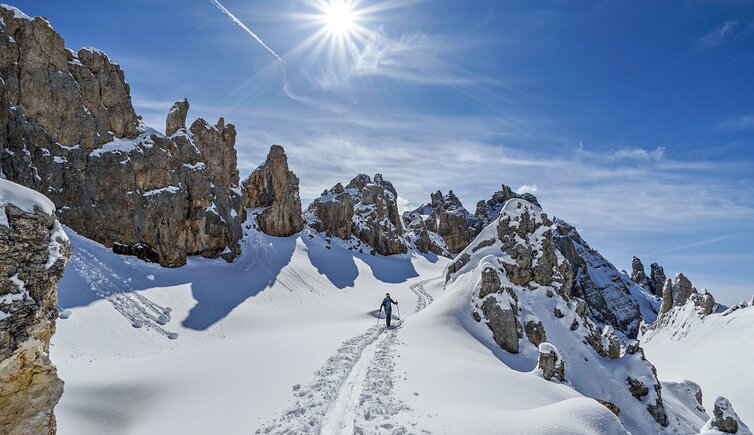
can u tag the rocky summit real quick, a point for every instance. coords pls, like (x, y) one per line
(69, 131)
(365, 211)
(274, 187)
(33, 253)
(447, 218)
(521, 298)
(613, 299)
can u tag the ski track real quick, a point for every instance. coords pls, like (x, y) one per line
(352, 392)
(423, 298)
(105, 283)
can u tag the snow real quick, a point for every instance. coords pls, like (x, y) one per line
(166, 189)
(126, 145)
(16, 12)
(57, 235)
(287, 334)
(23, 198)
(714, 351)
(199, 166)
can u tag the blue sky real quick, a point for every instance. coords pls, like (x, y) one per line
(633, 120)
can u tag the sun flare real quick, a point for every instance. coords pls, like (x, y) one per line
(339, 17)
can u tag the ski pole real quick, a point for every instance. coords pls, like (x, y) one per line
(378, 316)
(399, 311)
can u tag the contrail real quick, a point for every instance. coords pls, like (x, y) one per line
(243, 26)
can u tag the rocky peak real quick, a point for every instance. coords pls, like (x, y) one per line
(77, 98)
(519, 286)
(176, 119)
(680, 292)
(487, 211)
(637, 273)
(446, 216)
(68, 130)
(607, 292)
(365, 211)
(274, 186)
(34, 252)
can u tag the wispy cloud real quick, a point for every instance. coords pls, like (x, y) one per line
(740, 123)
(245, 28)
(640, 153)
(717, 36)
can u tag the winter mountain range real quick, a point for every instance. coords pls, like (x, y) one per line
(146, 288)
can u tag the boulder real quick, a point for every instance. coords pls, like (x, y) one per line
(550, 363)
(274, 187)
(725, 419)
(33, 253)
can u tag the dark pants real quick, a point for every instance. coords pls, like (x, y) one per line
(388, 315)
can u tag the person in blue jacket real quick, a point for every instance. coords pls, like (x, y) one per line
(388, 307)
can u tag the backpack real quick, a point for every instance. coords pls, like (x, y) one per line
(386, 302)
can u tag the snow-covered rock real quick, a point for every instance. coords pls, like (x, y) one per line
(68, 130)
(365, 211)
(33, 253)
(724, 420)
(519, 288)
(612, 297)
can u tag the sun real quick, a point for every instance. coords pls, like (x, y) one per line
(339, 17)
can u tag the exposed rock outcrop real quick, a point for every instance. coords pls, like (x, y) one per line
(550, 363)
(679, 292)
(446, 217)
(275, 187)
(68, 130)
(176, 119)
(488, 211)
(724, 419)
(365, 209)
(607, 292)
(33, 253)
(519, 284)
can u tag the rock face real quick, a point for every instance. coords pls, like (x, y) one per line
(274, 186)
(679, 292)
(68, 130)
(365, 210)
(176, 119)
(607, 292)
(488, 211)
(519, 284)
(33, 253)
(446, 217)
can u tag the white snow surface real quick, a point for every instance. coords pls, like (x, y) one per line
(23, 198)
(286, 339)
(716, 351)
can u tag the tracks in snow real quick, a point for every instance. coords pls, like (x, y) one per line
(424, 298)
(107, 284)
(352, 392)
